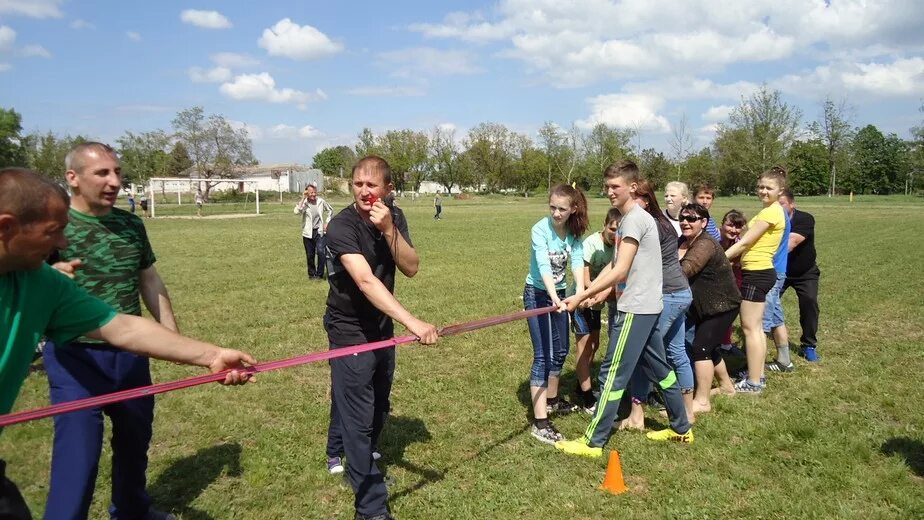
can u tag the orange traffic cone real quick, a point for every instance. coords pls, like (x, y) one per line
(613, 481)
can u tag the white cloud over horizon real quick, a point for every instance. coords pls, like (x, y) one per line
(205, 19)
(298, 42)
(427, 61)
(234, 60)
(32, 8)
(262, 87)
(629, 111)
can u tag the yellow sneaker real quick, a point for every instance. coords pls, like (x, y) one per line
(579, 447)
(670, 435)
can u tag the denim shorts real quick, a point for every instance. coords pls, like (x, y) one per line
(585, 321)
(773, 312)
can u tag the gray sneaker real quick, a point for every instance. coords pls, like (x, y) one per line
(548, 435)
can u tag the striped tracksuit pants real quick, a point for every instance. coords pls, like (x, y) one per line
(634, 340)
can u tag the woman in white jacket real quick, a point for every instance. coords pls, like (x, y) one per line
(316, 214)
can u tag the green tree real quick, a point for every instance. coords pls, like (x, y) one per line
(655, 166)
(216, 148)
(700, 169)
(179, 160)
(490, 148)
(916, 156)
(834, 130)
(604, 146)
(366, 144)
(407, 153)
(561, 150)
(879, 163)
(144, 155)
(757, 136)
(808, 167)
(335, 161)
(445, 158)
(12, 151)
(45, 153)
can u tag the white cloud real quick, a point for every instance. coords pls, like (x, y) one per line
(581, 42)
(29, 51)
(387, 91)
(32, 8)
(299, 42)
(133, 36)
(627, 111)
(718, 113)
(283, 131)
(233, 60)
(213, 75)
(447, 127)
(262, 87)
(427, 61)
(7, 38)
(79, 24)
(205, 19)
(5, 67)
(900, 77)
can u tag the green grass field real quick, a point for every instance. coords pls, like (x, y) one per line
(840, 439)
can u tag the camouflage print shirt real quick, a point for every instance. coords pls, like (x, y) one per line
(114, 250)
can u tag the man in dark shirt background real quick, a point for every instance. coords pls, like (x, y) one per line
(366, 241)
(802, 273)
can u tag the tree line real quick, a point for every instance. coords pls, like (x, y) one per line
(826, 155)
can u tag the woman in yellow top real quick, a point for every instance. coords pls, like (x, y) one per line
(756, 248)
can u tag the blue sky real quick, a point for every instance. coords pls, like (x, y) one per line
(305, 75)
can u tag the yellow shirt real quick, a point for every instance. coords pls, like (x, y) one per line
(760, 255)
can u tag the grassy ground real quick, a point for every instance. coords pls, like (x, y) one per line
(843, 438)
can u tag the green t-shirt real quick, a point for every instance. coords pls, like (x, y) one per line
(597, 255)
(114, 250)
(37, 303)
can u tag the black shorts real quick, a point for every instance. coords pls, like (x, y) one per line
(710, 331)
(756, 284)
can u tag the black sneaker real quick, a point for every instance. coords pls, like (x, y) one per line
(548, 435)
(561, 407)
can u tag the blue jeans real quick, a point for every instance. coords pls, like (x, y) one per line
(671, 329)
(773, 312)
(549, 334)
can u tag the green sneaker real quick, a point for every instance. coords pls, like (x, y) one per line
(670, 435)
(579, 447)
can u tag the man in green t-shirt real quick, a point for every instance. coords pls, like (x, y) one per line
(36, 301)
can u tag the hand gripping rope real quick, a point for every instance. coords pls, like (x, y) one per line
(159, 388)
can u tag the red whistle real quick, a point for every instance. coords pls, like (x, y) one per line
(371, 198)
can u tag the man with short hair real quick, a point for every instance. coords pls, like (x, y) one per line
(802, 273)
(366, 242)
(438, 206)
(109, 256)
(316, 214)
(705, 195)
(633, 332)
(36, 300)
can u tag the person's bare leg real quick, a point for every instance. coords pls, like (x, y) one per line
(726, 385)
(583, 361)
(636, 419)
(552, 390)
(688, 406)
(704, 371)
(538, 395)
(752, 314)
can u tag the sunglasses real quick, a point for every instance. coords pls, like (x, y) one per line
(690, 218)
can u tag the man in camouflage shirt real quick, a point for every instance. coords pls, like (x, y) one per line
(110, 257)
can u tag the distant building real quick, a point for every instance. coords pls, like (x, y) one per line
(290, 178)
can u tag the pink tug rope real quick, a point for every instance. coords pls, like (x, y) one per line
(159, 388)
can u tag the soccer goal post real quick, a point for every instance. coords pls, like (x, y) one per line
(171, 185)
